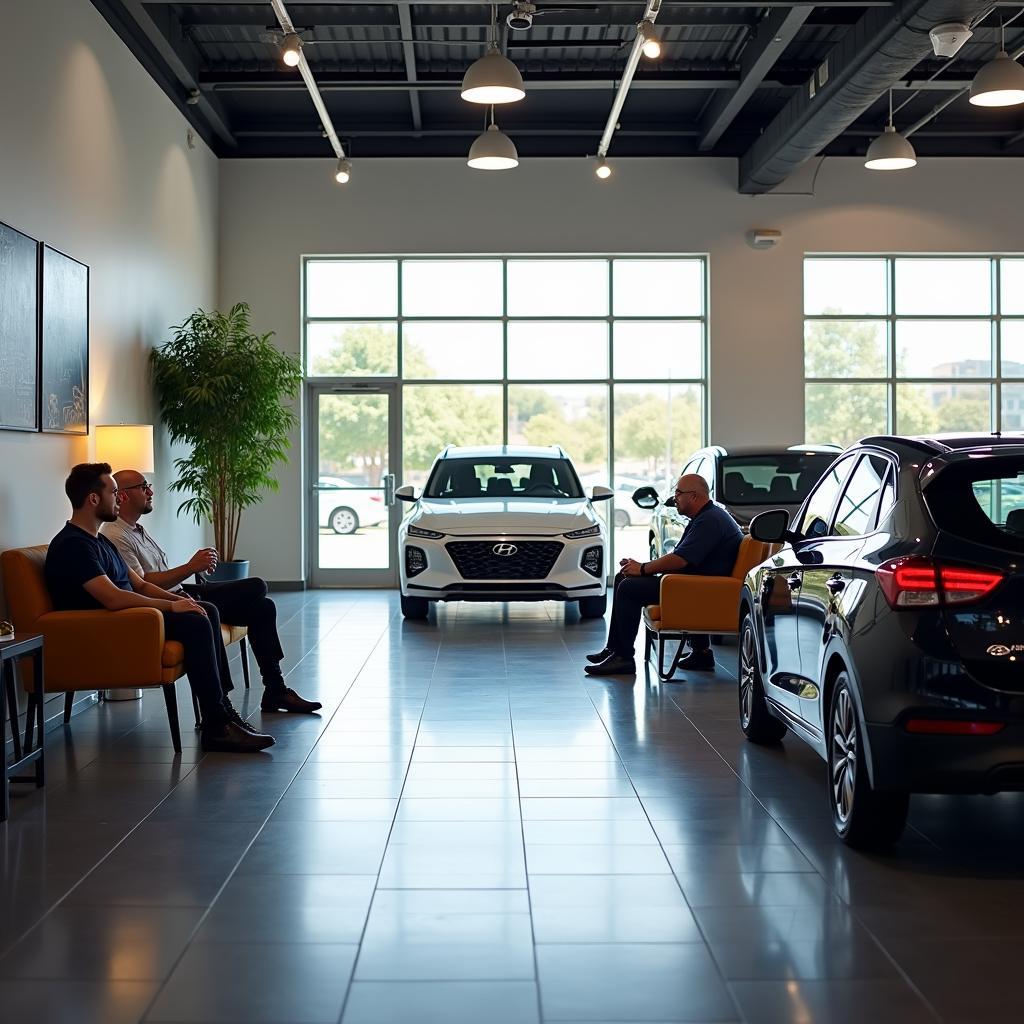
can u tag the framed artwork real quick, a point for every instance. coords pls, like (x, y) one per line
(64, 365)
(19, 330)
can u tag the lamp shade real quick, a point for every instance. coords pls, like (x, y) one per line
(1000, 83)
(126, 446)
(493, 150)
(493, 79)
(890, 152)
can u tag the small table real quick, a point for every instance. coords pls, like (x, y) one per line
(23, 645)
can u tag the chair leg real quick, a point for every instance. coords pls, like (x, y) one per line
(171, 700)
(671, 671)
(69, 700)
(195, 708)
(243, 649)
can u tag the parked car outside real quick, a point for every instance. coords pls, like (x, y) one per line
(503, 523)
(625, 512)
(888, 631)
(344, 506)
(744, 480)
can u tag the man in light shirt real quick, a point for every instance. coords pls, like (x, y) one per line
(240, 602)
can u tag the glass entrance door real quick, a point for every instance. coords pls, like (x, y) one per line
(353, 512)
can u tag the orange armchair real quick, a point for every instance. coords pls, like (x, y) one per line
(90, 650)
(699, 604)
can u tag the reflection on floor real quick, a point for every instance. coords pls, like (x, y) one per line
(474, 832)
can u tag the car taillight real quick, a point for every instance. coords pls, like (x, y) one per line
(376, 497)
(953, 727)
(917, 582)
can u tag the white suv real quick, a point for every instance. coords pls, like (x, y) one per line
(503, 523)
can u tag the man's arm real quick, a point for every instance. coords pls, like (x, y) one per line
(114, 599)
(143, 585)
(667, 563)
(203, 560)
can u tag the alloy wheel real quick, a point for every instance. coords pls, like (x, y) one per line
(343, 521)
(747, 670)
(843, 755)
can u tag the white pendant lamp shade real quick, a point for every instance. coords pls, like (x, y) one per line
(493, 150)
(890, 152)
(1000, 83)
(493, 79)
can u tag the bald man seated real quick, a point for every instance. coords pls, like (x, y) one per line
(708, 547)
(239, 602)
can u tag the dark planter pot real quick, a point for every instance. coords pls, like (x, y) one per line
(226, 571)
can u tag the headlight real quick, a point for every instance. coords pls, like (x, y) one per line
(590, 531)
(418, 531)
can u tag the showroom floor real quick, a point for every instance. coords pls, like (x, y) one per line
(474, 833)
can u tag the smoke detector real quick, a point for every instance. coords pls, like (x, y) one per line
(948, 38)
(521, 16)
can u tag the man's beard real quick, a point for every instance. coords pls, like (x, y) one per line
(106, 517)
(147, 508)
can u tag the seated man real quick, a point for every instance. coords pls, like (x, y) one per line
(240, 602)
(708, 547)
(84, 572)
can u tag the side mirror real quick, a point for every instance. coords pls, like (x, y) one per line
(407, 493)
(771, 527)
(646, 497)
(600, 493)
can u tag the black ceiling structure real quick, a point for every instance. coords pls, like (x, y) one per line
(771, 83)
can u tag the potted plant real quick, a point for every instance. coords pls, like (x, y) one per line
(221, 390)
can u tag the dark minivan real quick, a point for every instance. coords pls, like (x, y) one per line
(888, 632)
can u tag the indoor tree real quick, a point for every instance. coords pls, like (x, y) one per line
(222, 390)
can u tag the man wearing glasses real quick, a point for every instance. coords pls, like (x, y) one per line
(239, 602)
(708, 547)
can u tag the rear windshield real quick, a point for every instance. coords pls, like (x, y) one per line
(784, 479)
(476, 478)
(981, 499)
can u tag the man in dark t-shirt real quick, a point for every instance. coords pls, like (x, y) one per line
(708, 547)
(84, 571)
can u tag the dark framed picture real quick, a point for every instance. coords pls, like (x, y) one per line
(64, 373)
(19, 330)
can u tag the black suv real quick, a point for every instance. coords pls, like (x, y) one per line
(888, 632)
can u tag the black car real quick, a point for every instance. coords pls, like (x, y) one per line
(888, 631)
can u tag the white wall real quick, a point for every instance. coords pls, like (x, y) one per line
(273, 211)
(93, 160)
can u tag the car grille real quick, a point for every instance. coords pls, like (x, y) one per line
(476, 560)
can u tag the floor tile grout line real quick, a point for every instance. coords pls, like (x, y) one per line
(394, 819)
(231, 874)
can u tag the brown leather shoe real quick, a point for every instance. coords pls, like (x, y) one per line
(288, 700)
(233, 739)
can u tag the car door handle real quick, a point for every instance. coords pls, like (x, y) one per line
(793, 581)
(835, 584)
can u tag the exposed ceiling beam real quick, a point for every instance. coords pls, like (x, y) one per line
(771, 37)
(158, 29)
(873, 55)
(409, 53)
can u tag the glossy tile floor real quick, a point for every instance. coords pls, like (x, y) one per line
(475, 832)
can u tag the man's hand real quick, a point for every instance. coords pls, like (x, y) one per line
(204, 560)
(630, 567)
(186, 604)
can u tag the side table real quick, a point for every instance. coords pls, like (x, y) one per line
(23, 645)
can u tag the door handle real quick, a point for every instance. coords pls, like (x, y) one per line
(793, 581)
(389, 489)
(835, 584)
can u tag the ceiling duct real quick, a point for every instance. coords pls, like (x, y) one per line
(874, 55)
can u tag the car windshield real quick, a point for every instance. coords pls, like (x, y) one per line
(981, 499)
(517, 477)
(782, 479)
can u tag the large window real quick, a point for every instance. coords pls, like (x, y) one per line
(603, 355)
(912, 345)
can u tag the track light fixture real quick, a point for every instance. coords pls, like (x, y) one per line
(652, 44)
(291, 49)
(890, 151)
(344, 171)
(602, 170)
(493, 150)
(1000, 83)
(493, 78)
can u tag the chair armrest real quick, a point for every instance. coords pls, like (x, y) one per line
(700, 604)
(102, 649)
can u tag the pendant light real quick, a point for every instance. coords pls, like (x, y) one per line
(290, 49)
(344, 171)
(493, 150)
(493, 78)
(890, 151)
(651, 44)
(1000, 83)
(602, 170)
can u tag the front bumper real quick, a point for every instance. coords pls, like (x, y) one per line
(441, 580)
